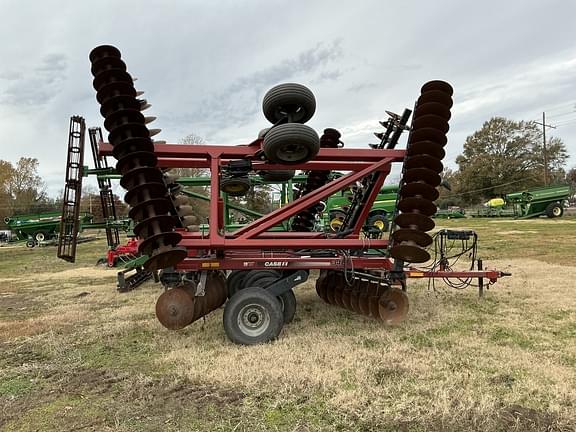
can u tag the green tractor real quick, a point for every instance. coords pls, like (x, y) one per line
(378, 218)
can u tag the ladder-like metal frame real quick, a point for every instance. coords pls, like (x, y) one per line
(105, 186)
(70, 222)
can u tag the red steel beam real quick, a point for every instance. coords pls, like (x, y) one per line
(277, 216)
(271, 244)
(197, 151)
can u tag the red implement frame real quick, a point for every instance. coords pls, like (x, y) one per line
(254, 247)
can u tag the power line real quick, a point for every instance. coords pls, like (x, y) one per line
(567, 122)
(483, 189)
(544, 126)
(563, 114)
(561, 106)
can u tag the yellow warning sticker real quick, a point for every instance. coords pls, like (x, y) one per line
(416, 274)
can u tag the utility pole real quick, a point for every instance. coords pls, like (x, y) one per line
(544, 126)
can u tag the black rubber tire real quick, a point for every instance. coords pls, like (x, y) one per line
(291, 143)
(235, 186)
(287, 299)
(41, 236)
(30, 243)
(234, 281)
(554, 210)
(263, 132)
(252, 278)
(291, 100)
(279, 176)
(334, 215)
(376, 218)
(253, 303)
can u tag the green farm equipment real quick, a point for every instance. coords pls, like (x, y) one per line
(453, 212)
(378, 218)
(531, 203)
(38, 227)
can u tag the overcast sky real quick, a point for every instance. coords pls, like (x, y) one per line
(205, 65)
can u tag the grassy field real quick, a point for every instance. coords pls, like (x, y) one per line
(77, 355)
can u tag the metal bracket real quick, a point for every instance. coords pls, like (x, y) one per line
(201, 287)
(287, 283)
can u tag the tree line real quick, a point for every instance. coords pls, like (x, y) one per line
(505, 156)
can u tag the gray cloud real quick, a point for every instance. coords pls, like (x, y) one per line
(37, 86)
(238, 103)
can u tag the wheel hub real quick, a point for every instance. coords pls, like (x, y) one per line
(253, 320)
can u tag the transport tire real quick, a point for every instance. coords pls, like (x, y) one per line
(253, 316)
(279, 176)
(253, 277)
(234, 281)
(41, 236)
(287, 299)
(235, 186)
(554, 210)
(291, 143)
(294, 101)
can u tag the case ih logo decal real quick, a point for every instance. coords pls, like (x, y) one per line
(276, 264)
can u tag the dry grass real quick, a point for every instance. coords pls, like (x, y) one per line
(75, 354)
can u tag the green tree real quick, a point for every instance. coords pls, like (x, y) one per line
(21, 188)
(505, 156)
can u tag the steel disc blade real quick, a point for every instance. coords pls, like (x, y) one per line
(165, 258)
(140, 175)
(354, 301)
(330, 295)
(374, 307)
(149, 208)
(422, 174)
(436, 96)
(346, 298)
(424, 161)
(321, 290)
(102, 51)
(131, 147)
(428, 134)
(431, 121)
(146, 228)
(407, 234)
(338, 292)
(109, 76)
(200, 307)
(439, 85)
(415, 204)
(426, 148)
(393, 306)
(433, 108)
(414, 220)
(364, 304)
(144, 192)
(131, 161)
(410, 253)
(123, 116)
(175, 309)
(419, 189)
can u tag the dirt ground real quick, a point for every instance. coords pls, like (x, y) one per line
(77, 355)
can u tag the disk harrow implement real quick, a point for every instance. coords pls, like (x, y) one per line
(421, 173)
(134, 149)
(358, 271)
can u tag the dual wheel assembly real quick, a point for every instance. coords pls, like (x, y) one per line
(253, 315)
